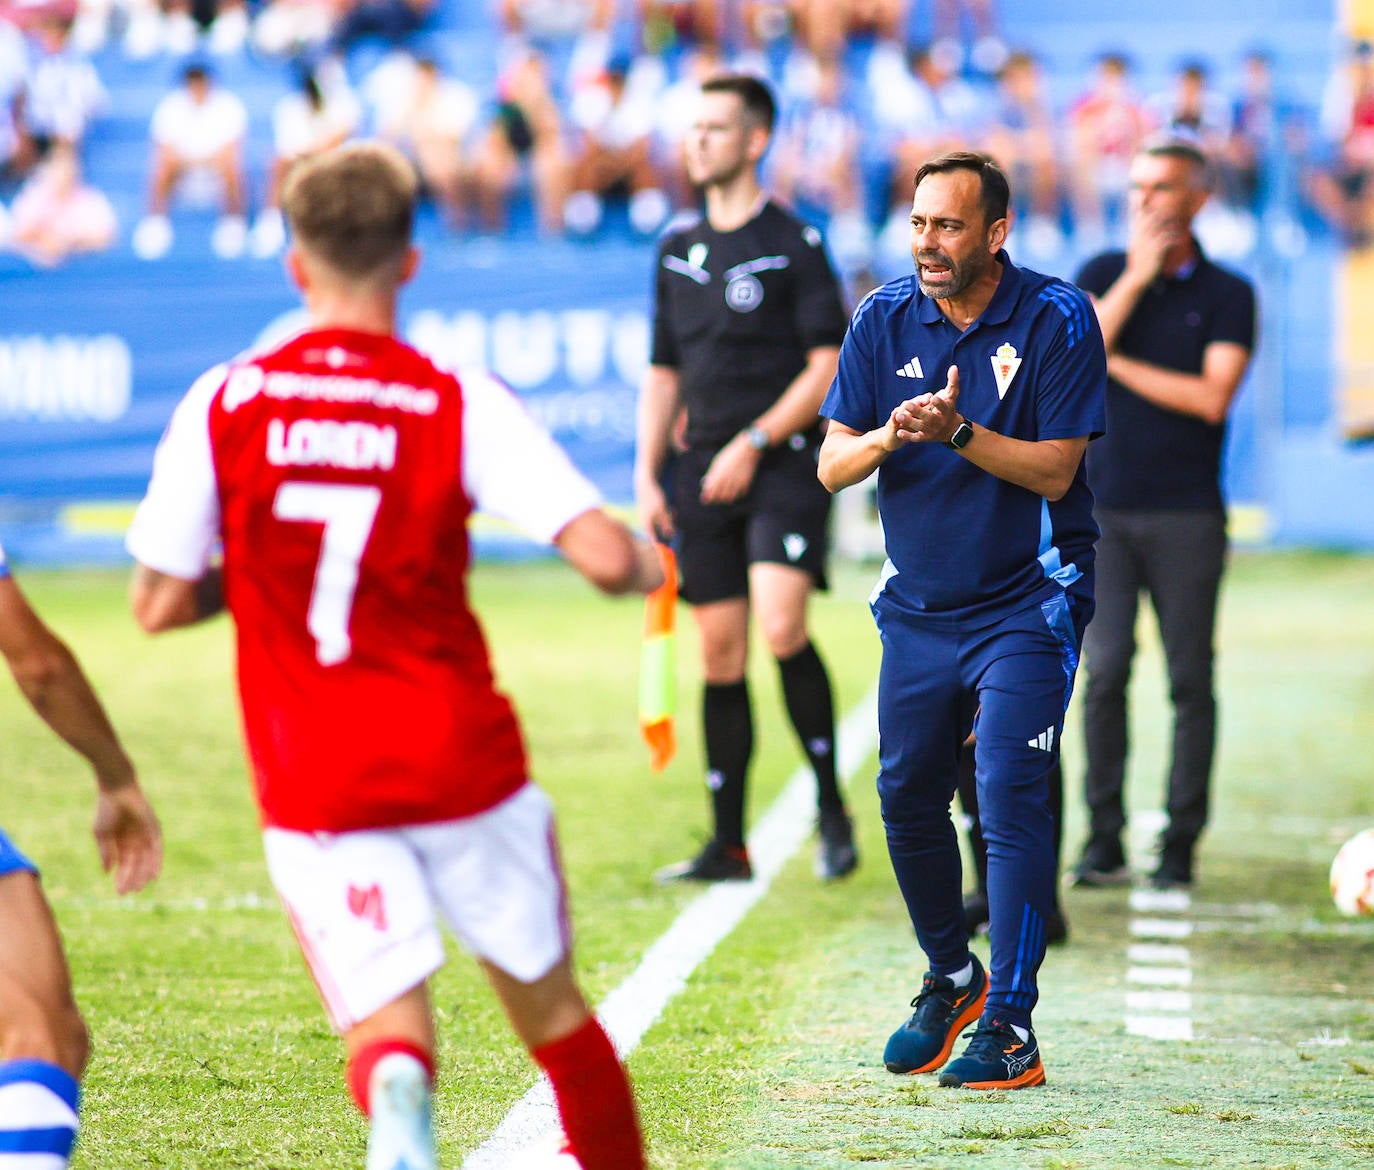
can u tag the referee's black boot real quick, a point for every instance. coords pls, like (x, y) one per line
(836, 856)
(717, 862)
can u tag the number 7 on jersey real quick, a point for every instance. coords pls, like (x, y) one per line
(347, 513)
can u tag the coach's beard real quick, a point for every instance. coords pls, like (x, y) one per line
(949, 282)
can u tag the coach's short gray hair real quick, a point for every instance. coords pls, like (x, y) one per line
(1186, 149)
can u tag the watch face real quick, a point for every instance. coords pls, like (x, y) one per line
(962, 434)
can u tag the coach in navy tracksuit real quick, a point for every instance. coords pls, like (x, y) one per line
(974, 386)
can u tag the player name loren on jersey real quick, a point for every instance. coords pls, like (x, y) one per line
(352, 446)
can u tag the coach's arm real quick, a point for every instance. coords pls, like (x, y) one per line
(163, 602)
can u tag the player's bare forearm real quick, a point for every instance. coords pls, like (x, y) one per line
(54, 684)
(59, 691)
(162, 602)
(1207, 395)
(608, 555)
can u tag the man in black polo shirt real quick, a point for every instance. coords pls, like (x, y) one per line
(748, 320)
(1179, 332)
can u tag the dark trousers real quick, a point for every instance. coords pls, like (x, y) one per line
(1176, 559)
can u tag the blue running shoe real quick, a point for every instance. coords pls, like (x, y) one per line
(924, 1042)
(996, 1058)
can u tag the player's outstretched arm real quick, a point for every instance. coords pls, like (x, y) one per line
(605, 552)
(51, 678)
(163, 602)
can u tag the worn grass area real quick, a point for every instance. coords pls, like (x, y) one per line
(212, 1052)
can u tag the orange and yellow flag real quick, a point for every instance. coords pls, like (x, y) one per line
(658, 666)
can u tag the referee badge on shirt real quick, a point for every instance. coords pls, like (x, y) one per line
(1005, 363)
(744, 293)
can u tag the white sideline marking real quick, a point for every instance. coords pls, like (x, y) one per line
(1158, 1014)
(1160, 928)
(1160, 901)
(1158, 1001)
(1160, 1027)
(629, 1010)
(1161, 953)
(1160, 976)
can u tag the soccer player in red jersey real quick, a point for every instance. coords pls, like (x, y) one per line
(339, 470)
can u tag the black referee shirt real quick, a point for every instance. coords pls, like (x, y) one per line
(735, 313)
(1151, 457)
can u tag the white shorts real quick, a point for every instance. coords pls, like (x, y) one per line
(363, 904)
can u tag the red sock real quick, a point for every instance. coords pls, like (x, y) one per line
(594, 1099)
(362, 1062)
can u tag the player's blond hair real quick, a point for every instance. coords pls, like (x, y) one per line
(352, 208)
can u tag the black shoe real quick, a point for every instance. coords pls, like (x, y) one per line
(976, 913)
(1056, 926)
(836, 856)
(1175, 869)
(715, 863)
(1102, 864)
(977, 916)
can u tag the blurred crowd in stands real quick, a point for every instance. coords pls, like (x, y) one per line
(585, 102)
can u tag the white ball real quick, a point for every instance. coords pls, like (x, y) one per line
(1352, 875)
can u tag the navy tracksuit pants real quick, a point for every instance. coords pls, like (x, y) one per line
(1009, 681)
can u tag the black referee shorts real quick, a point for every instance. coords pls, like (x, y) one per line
(783, 519)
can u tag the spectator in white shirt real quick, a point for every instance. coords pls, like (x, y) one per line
(323, 113)
(198, 133)
(430, 117)
(615, 115)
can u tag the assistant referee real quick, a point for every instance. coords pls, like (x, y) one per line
(748, 320)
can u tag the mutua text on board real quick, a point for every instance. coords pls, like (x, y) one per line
(65, 378)
(582, 347)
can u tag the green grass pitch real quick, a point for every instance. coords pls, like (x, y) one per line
(211, 1050)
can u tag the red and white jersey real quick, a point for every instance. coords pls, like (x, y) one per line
(340, 470)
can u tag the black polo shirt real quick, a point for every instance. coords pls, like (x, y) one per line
(735, 313)
(1150, 457)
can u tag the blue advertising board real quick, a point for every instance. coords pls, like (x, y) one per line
(94, 357)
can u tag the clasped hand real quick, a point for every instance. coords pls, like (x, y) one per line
(927, 418)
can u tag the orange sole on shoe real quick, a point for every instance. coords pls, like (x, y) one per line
(966, 1017)
(1028, 1079)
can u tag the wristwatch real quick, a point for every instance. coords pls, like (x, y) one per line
(962, 434)
(757, 437)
